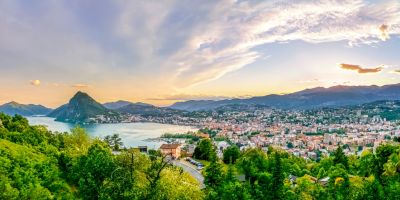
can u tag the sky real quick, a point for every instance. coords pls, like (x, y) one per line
(161, 52)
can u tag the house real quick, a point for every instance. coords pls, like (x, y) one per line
(324, 181)
(173, 150)
(203, 135)
(142, 149)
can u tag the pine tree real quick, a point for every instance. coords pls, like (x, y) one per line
(230, 175)
(340, 157)
(214, 174)
(277, 177)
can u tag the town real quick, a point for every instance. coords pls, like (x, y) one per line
(309, 134)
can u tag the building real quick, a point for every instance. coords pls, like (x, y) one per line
(143, 149)
(202, 135)
(173, 150)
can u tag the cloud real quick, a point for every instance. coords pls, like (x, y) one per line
(177, 43)
(361, 70)
(35, 82)
(80, 85)
(384, 32)
(396, 71)
(315, 80)
(235, 28)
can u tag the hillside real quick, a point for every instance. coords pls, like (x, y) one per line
(306, 99)
(13, 108)
(83, 109)
(38, 164)
(390, 110)
(147, 110)
(116, 105)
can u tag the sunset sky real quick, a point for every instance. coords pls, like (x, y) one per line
(161, 52)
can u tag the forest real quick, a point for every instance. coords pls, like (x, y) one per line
(36, 163)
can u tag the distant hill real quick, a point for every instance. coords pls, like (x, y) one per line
(306, 99)
(389, 110)
(13, 108)
(147, 110)
(82, 109)
(116, 105)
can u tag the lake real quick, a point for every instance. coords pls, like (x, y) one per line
(132, 134)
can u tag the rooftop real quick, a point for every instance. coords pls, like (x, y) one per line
(169, 146)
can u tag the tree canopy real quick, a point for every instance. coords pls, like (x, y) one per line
(38, 164)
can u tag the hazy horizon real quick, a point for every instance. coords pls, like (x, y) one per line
(165, 52)
(199, 98)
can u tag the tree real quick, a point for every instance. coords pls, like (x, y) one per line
(367, 163)
(114, 141)
(262, 188)
(204, 150)
(277, 177)
(92, 170)
(338, 186)
(18, 124)
(175, 184)
(77, 142)
(231, 154)
(392, 166)
(252, 162)
(383, 152)
(340, 157)
(230, 175)
(214, 175)
(26, 173)
(234, 190)
(306, 188)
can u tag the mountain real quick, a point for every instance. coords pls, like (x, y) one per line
(83, 109)
(146, 110)
(306, 99)
(13, 108)
(116, 105)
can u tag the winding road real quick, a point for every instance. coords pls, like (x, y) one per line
(187, 167)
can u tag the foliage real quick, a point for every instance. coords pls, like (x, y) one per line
(114, 142)
(214, 174)
(204, 150)
(25, 173)
(38, 164)
(91, 171)
(231, 154)
(210, 132)
(252, 162)
(340, 158)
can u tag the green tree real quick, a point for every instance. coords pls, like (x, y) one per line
(77, 142)
(277, 177)
(338, 186)
(231, 154)
(204, 150)
(383, 153)
(252, 162)
(114, 141)
(340, 157)
(92, 170)
(214, 175)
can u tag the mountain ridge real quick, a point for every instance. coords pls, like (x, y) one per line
(339, 95)
(122, 103)
(13, 108)
(82, 108)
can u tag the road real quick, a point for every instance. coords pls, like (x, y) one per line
(187, 167)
